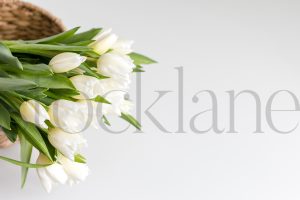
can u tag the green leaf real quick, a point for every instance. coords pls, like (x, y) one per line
(105, 120)
(90, 72)
(51, 149)
(91, 54)
(49, 124)
(22, 164)
(138, 68)
(79, 158)
(8, 58)
(32, 134)
(4, 117)
(11, 100)
(29, 59)
(84, 36)
(59, 96)
(38, 69)
(26, 151)
(37, 93)
(47, 47)
(140, 59)
(11, 134)
(56, 38)
(101, 99)
(83, 43)
(4, 74)
(33, 69)
(71, 73)
(47, 100)
(8, 84)
(65, 92)
(131, 120)
(44, 53)
(55, 81)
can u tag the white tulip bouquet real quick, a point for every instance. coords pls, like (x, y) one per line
(51, 89)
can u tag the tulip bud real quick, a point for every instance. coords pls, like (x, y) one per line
(123, 46)
(116, 66)
(104, 41)
(65, 143)
(76, 171)
(32, 111)
(51, 174)
(65, 62)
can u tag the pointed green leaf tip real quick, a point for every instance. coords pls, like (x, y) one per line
(9, 84)
(130, 119)
(26, 151)
(56, 38)
(4, 117)
(140, 59)
(6, 57)
(79, 158)
(84, 36)
(22, 164)
(32, 135)
(101, 99)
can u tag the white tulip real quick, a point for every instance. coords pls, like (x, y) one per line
(65, 62)
(52, 174)
(32, 111)
(76, 171)
(103, 34)
(88, 86)
(118, 104)
(91, 87)
(114, 63)
(71, 117)
(91, 111)
(123, 46)
(109, 84)
(116, 66)
(104, 42)
(65, 143)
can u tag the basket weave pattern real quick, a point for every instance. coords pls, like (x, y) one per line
(22, 20)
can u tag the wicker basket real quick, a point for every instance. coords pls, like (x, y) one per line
(22, 20)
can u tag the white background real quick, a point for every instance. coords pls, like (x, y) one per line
(222, 45)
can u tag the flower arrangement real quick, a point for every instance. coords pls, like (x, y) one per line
(52, 88)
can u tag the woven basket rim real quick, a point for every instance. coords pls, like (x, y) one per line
(46, 13)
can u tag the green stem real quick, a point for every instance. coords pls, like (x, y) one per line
(12, 42)
(48, 54)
